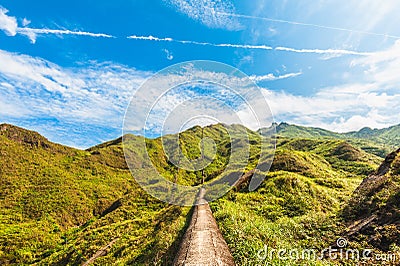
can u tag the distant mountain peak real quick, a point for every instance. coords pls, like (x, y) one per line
(366, 129)
(387, 137)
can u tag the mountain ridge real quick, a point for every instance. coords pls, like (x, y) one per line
(61, 205)
(293, 130)
(284, 129)
(377, 141)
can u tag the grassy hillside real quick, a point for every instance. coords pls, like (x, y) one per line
(293, 131)
(63, 206)
(299, 205)
(373, 212)
(189, 142)
(390, 136)
(377, 141)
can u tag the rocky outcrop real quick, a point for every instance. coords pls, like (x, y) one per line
(373, 213)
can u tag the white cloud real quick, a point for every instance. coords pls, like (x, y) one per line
(99, 93)
(372, 119)
(176, 97)
(14, 108)
(32, 33)
(383, 67)
(96, 94)
(328, 53)
(150, 38)
(331, 52)
(63, 32)
(334, 110)
(26, 22)
(371, 101)
(272, 77)
(208, 12)
(229, 45)
(168, 54)
(7, 24)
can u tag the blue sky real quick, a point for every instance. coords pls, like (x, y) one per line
(68, 69)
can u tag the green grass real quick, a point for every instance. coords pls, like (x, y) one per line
(59, 205)
(54, 203)
(298, 206)
(379, 197)
(379, 142)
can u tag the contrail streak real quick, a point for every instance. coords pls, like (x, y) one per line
(62, 32)
(244, 46)
(320, 51)
(247, 46)
(308, 24)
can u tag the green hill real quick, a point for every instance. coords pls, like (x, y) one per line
(389, 136)
(63, 206)
(377, 141)
(294, 131)
(299, 205)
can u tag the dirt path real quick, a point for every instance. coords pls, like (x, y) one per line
(203, 243)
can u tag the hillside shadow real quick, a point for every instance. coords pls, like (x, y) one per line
(153, 248)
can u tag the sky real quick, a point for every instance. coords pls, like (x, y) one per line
(69, 69)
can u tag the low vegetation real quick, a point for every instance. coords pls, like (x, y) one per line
(63, 206)
(298, 206)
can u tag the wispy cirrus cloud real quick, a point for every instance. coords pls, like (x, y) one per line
(79, 106)
(95, 92)
(382, 68)
(272, 77)
(90, 100)
(94, 95)
(297, 23)
(373, 100)
(208, 12)
(331, 109)
(9, 25)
